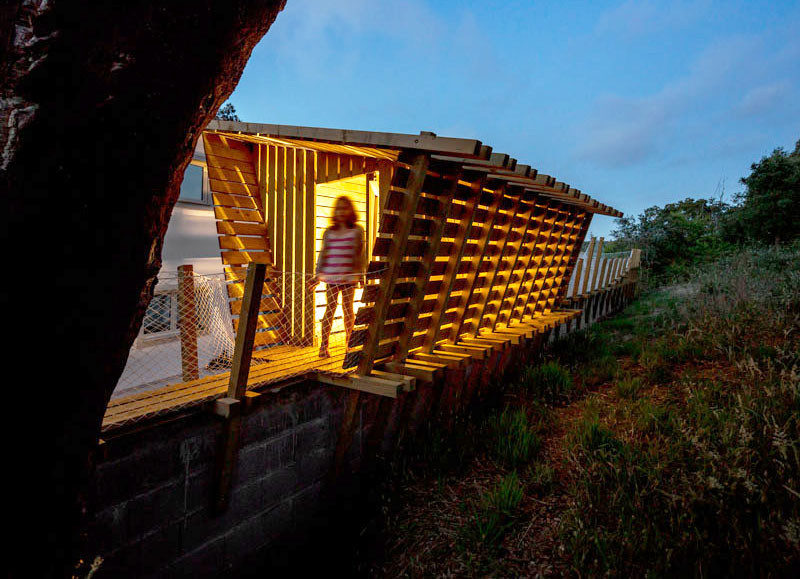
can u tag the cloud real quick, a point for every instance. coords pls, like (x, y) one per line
(635, 18)
(622, 131)
(763, 99)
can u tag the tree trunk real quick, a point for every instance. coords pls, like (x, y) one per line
(102, 105)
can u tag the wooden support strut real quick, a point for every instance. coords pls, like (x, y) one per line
(453, 263)
(526, 215)
(524, 299)
(491, 276)
(413, 188)
(472, 276)
(230, 406)
(426, 264)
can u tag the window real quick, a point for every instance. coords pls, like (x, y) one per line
(161, 315)
(193, 187)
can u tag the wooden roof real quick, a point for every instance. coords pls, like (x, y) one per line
(470, 153)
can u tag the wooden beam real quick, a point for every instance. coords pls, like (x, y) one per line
(368, 384)
(424, 142)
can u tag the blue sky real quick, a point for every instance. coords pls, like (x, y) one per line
(635, 103)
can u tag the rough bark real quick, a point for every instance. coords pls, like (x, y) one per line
(101, 105)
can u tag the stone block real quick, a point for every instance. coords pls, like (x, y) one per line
(268, 421)
(279, 485)
(156, 508)
(160, 548)
(312, 436)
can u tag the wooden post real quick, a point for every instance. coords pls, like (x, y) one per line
(588, 267)
(596, 266)
(230, 407)
(187, 323)
(576, 278)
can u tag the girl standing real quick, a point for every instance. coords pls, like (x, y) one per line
(341, 266)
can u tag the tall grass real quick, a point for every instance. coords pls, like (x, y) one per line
(705, 480)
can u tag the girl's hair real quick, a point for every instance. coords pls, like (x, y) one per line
(351, 217)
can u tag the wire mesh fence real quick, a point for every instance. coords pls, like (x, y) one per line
(189, 329)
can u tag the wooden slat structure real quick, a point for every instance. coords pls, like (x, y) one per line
(469, 251)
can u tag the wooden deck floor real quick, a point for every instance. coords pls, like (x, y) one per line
(277, 365)
(269, 366)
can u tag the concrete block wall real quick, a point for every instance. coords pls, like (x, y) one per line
(152, 490)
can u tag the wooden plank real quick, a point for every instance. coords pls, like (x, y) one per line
(230, 214)
(232, 175)
(527, 281)
(577, 278)
(309, 249)
(409, 382)
(244, 257)
(576, 248)
(557, 261)
(235, 228)
(423, 373)
(235, 201)
(413, 185)
(236, 242)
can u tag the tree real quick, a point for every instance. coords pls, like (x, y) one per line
(227, 113)
(101, 105)
(676, 235)
(769, 210)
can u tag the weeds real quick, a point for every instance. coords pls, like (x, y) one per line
(513, 441)
(549, 382)
(494, 515)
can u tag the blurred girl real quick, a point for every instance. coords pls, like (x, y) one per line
(341, 266)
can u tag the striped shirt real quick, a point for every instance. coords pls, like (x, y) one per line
(340, 260)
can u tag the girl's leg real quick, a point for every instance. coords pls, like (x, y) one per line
(331, 298)
(348, 293)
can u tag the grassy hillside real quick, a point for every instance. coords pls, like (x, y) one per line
(661, 442)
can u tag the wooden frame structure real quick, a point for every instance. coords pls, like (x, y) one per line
(468, 243)
(470, 252)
